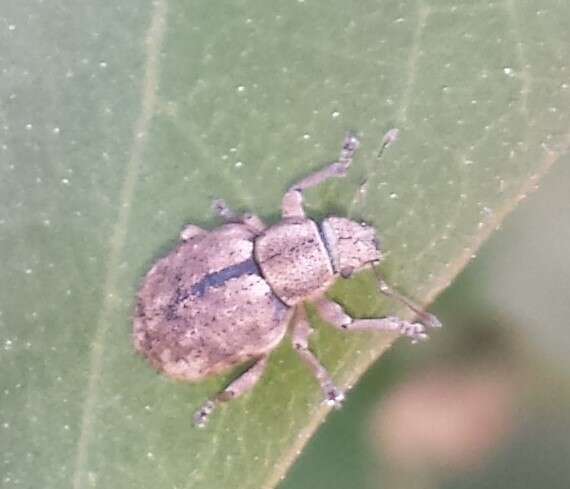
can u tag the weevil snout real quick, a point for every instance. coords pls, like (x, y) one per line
(353, 246)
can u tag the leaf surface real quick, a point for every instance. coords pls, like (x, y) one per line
(120, 124)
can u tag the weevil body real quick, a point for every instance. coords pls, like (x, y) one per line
(226, 296)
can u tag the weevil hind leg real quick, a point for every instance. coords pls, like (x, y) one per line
(235, 389)
(228, 215)
(334, 314)
(292, 205)
(300, 337)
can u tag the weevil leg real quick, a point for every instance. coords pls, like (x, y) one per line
(237, 387)
(301, 332)
(292, 205)
(333, 313)
(228, 215)
(426, 318)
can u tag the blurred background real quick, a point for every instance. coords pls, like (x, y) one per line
(486, 402)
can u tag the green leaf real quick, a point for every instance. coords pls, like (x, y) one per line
(122, 120)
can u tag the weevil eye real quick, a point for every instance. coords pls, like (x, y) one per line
(346, 272)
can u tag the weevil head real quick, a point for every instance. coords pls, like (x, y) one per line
(353, 246)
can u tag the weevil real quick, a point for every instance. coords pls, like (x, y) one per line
(227, 296)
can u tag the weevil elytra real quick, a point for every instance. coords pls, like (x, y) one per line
(226, 296)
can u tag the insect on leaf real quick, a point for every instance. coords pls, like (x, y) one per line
(122, 121)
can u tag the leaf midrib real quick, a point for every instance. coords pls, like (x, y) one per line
(153, 43)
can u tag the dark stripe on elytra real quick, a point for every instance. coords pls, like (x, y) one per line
(217, 279)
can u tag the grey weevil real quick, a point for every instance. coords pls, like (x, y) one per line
(226, 296)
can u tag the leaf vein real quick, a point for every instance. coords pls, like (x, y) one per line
(525, 76)
(423, 13)
(153, 42)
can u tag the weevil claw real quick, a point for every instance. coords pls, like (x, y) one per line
(201, 417)
(334, 397)
(415, 331)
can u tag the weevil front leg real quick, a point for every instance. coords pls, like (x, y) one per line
(292, 205)
(238, 387)
(333, 313)
(301, 332)
(228, 215)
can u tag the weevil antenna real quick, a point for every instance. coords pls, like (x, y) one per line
(427, 318)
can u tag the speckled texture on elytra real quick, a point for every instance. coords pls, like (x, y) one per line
(191, 325)
(119, 123)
